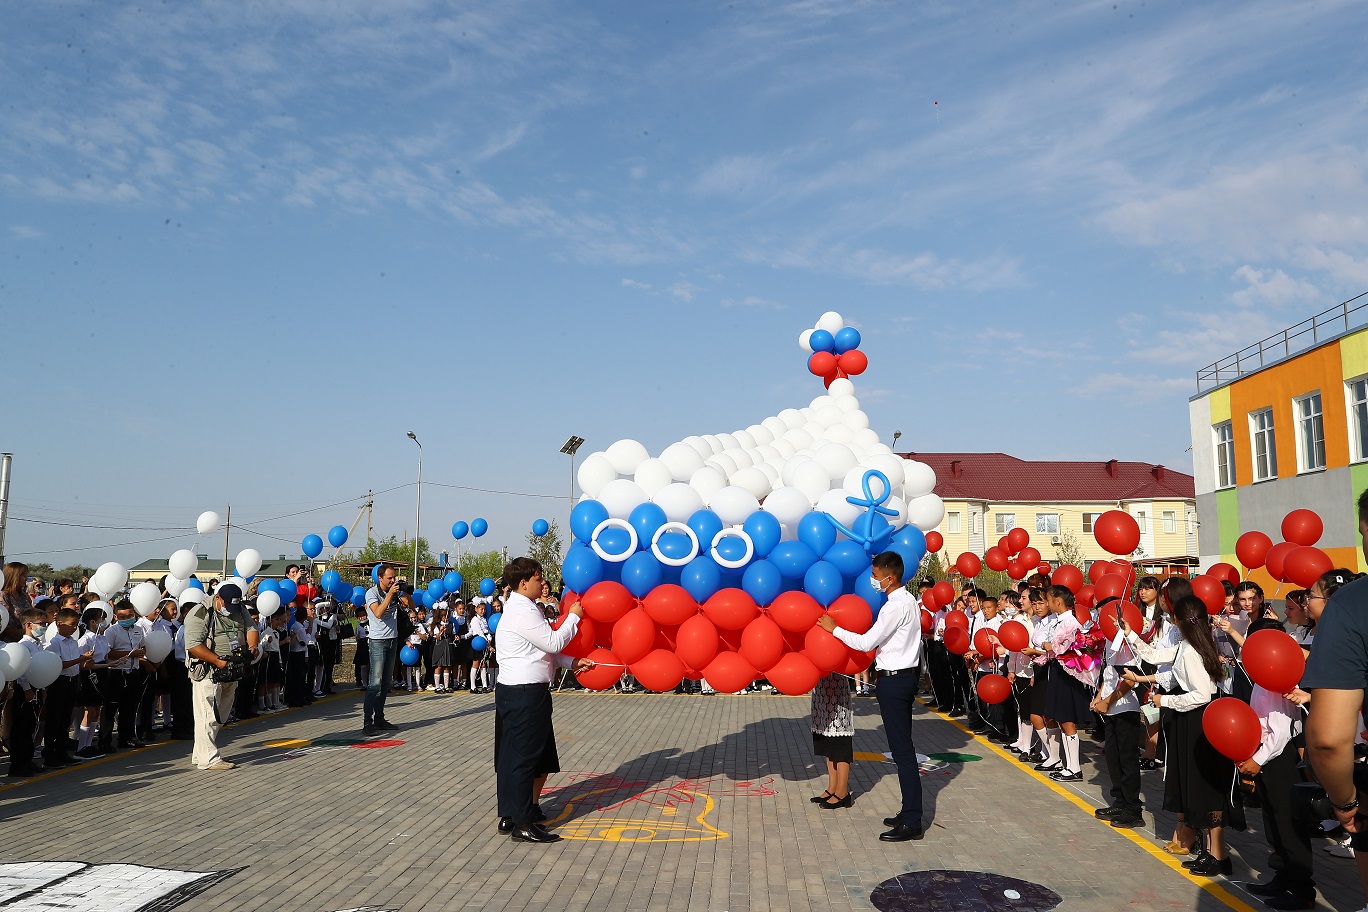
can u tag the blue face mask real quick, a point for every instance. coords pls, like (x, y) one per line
(126, 623)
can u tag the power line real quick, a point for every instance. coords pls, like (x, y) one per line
(51, 522)
(99, 547)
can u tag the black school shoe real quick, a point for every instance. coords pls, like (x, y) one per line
(1210, 866)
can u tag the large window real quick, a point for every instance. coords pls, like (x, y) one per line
(1310, 434)
(952, 522)
(1047, 523)
(1225, 455)
(1088, 520)
(1358, 416)
(1005, 522)
(1265, 445)
(1170, 519)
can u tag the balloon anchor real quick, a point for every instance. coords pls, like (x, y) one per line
(865, 524)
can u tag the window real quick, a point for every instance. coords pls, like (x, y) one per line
(1005, 522)
(973, 523)
(1191, 523)
(1358, 416)
(1265, 446)
(1047, 523)
(952, 522)
(1225, 455)
(1170, 518)
(1142, 521)
(1088, 520)
(1310, 434)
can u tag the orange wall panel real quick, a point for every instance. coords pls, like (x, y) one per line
(1277, 387)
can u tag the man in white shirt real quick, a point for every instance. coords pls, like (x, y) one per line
(524, 739)
(896, 641)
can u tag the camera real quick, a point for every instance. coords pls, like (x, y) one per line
(233, 671)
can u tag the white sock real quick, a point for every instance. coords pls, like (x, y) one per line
(1023, 740)
(1071, 754)
(1052, 746)
(86, 736)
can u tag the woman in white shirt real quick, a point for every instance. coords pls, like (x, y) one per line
(1198, 781)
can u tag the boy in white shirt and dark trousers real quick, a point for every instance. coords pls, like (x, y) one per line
(61, 693)
(23, 702)
(1124, 731)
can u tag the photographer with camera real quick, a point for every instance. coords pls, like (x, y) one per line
(219, 642)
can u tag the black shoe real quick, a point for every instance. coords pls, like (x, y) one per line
(977, 729)
(1212, 867)
(1149, 765)
(893, 821)
(23, 772)
(1064, 775)
(1287, 900)
(1201, 858)
(823, 797)
(1127, 820)
(55, 763)
(901, 833)
(370, 731)
(505, 825)
(1273, 888)
(532, 833)
(386, 725)
(833, 803)
(538, 816)
(1032, 757)
(1045, 767)
(1108, 813)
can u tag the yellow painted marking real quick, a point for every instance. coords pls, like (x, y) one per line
(631, 829)
(286, 742)
(870, 755)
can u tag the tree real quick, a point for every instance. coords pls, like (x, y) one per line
(391, 550)
(1069, 551)
(475, 566)
(546, 550)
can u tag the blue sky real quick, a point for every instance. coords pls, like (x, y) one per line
(244, 248)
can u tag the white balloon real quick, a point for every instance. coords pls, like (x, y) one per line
(109, 578)
(771, 471)
(829, 415)
(734, 504)
(744, 439)
(698, 445)
(897, 503)
(812, 479)
(723, 463)
(714, 445)
(792, 418)
(819, 402)
(247, 562)
(760, 434)
(626, 455)
(108, 609)
(839, 433)
(776, 427)
(267, 603)
(867, 438)
(791, 466)
(595, 472)
(680, 501)
(14, 660)
(234, 581)
(880, 448)
(925, 512)
(175, 586)
(753, 480)
(919, 479)
(190, 596)
(800, 438)
(841, 386)
(831, 321)
(683, 459)
(707, 481)
(743, 458)
(788, 505)
(621, 497)
(43, 669)
(156, 645)
(843, 511)
(784, 448)
(145, 597)
(849, 404)
(208, 522)
(803, 342)
(726, 442)
(836, 458)
(855, 418)
(891, 466)
(653, 475)
(183, 564)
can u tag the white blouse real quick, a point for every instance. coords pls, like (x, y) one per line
(1188, 671)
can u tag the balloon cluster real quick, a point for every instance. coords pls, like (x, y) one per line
(1295, 559)
(835, 349)
(312, 545)
(476, 527)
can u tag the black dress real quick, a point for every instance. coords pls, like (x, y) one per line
(443, 646)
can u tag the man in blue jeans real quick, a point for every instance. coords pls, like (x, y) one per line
(381, 602)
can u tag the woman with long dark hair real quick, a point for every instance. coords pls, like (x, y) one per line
(1198, 779)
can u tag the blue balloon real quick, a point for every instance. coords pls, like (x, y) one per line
(453, 581)
(288, 591)
(337, 536)
(437, 587)
(823, 582)
(329, 580)
(764, 531)
(459, 529)
(375, 573)
(641, 573)
(848, 557)
(822, 341)
(540, 527)
(359, 597)
(409, 656)
(847, 339)
(478, 527)
(865, 590)
(700, 577)
(493, 621)
(487, 587)
(342, 589)
(706, 524)
(424, 598)
(793, 558)
(615, 541)
(195, 583)
(646, 519)
(585, 518)
(880, 532)
(582, 568)
(674, 545)
(312, 545)
(730, 548)
(910, 536)
(479, 643)
(816, 531)
(268, 585)
(763, 582)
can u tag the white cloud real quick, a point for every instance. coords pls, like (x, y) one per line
(27, 233)
(753, 301)
(925, 270)
(1272, 288)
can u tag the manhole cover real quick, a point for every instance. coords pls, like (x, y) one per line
(961, 891)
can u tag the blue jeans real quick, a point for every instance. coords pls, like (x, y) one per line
(382, 653)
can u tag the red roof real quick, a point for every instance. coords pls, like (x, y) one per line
(1002, 478)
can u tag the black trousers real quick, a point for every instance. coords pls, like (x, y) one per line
(111, 691)
(182, 707)
(938, 664)
(130, 697)
(523, 714)
(963, 688)
(897, 695)
(60, 701)
(1124, 733)
(1289, 843)
(23, 726)
(991, 714)
(328, 651)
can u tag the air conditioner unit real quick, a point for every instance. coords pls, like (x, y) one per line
(1056, 540)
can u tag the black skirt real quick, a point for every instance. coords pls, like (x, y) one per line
(1067, 699)
(1040, 685)
(443, 654)
(836, 748)
(1197, 777)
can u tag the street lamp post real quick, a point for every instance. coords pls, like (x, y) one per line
(571, 447)
(418, 510)
(896, 435)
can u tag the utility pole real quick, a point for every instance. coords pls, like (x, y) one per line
(5, 460)
(227, 525)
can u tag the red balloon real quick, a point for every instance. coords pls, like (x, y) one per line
(669, 605)
(824, 650)
(729, 640)
(1302, 527)
(1126, 570)
(1014, 636)
(934, 541)
(731, 609)
(762, 643)
(1084, 615)
(852, 362)
(568, 598)
(1070, 577)
(1226, 572)
(1029, 557)
(994, 688)
(857, 662)
(1117, 532)
(1097, 569)
(1273, 660)
(793, 641)
(1109, 586)
(1252, 549)
(982, 644)
(996, 559)
(634, 635)
(606, 672)
(1306, 564)
(794, 611)
(929, 601)
(957, 640)
(1017, 539)
(730, 673)
(607, 601)
(1044, 569)
(1211, 592)
(1106, 618)
(1086, 596)
(794, 675)
(582, 643)
(1275, 562)
(956, 618)
(1005, 546)
(851, 612)
(660, 670)
(696, 643)
(666, 637)
(945, 592)
(1232, 727)
(1017, 570)
(928, 621)
(968, 564)
(822, 364)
